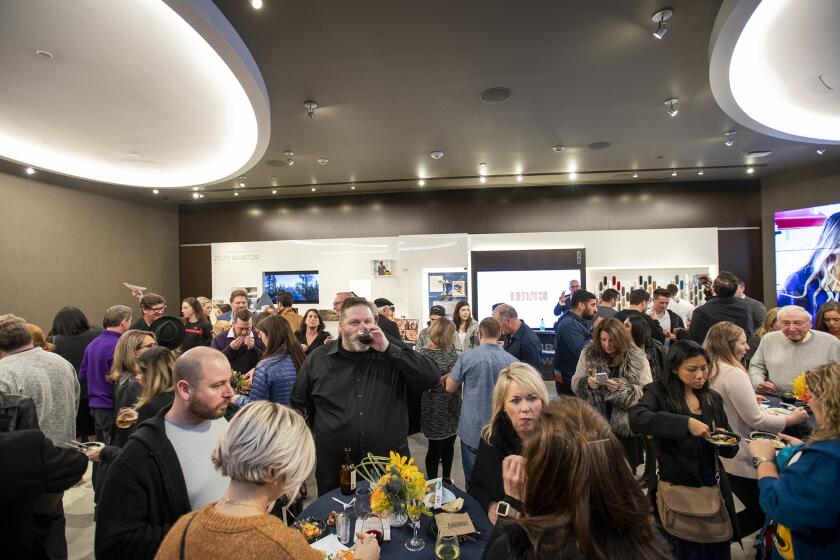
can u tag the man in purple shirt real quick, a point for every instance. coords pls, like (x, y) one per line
(96, 365)
(240, 345)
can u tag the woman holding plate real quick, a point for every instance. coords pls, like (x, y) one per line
(799, 488)
(726, 344)
(692, 495)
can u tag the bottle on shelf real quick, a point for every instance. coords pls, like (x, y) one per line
(542, 324)
(347, 474)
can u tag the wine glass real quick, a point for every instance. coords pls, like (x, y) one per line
(447, 548)
(414, 508)
(372, 524)
(361, 507)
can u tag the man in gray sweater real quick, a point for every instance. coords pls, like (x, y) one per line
(50, 381)
(784, 354)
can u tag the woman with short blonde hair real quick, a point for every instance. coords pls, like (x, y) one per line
(518, 399)
(267, 451)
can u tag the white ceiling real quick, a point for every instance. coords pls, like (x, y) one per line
(133, 94)
(397, 80)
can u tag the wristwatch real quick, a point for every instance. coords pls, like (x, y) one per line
(504, 509)
(758, 460)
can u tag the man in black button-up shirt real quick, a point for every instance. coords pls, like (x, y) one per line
(353, 394)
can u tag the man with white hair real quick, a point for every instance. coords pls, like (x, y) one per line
(784, 354)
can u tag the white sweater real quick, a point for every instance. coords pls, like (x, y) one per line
(744, 415)
(782, 360)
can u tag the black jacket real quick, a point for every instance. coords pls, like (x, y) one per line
(143, 495)
(30, 465)
(676, 448)
(388, 326)
(485, 484)
(715, 310)
(17, 412)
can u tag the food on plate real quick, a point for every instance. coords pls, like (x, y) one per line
(724, 438)
(310, 527)
(331, 518)
(778, 411)
(454, 506)
(777, 441)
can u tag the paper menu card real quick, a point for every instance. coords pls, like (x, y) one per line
(452, 524)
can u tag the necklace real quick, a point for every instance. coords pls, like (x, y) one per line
(226, 500)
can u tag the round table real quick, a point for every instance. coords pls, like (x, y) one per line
(800, 431)
(395, 548)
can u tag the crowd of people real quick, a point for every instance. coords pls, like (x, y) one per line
(202, 429)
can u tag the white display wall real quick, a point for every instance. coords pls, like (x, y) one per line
(345, 264)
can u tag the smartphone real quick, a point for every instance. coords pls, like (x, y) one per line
(602, 378)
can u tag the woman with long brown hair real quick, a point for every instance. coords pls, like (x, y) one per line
(276, 372)
(828, 319)
(312, 333)
(196, 323)
(156, 368)
(576, 494)
(466, 328)
(726, 344)
(771, 324)
(612, 352)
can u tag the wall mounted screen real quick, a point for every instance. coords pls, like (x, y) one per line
(807, 250)
(302, 284)
(533, 293)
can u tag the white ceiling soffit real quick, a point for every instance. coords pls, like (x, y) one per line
(774, 67)
(137, 92)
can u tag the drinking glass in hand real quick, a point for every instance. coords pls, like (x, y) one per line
(447, 548)
(126, 417)
(414, 508)
(372, 525)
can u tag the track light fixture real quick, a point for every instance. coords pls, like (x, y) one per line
(30, 170)
(820, 151)
(558, 148)
(674, 173)
(273, 191)
(729, 138)
(422, 182)
(671, 104)
(700, 172)
(313, 189)
(242, 180)
(437, 154)
(519, 178)
(750, 170)
(236, 194)
(310, 107)
(155, 191)
(323, 161)
(482, 179)
(573, 175)
(635, 174)
(290, 157)
(660, 18)
(482, 168)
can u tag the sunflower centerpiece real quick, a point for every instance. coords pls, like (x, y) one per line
(393, 481)
(800, 389)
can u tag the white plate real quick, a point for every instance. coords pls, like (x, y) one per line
(778, 411)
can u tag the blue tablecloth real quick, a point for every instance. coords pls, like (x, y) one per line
(395, 548)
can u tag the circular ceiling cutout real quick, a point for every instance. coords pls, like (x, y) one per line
(144, 93)
(774, 67)
(496, 95)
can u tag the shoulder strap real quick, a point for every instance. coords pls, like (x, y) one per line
(181, 555)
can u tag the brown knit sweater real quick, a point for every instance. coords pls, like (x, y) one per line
(215, 535)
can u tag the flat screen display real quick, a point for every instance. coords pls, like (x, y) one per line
(807, 253)
(302, 284)
(533, 293)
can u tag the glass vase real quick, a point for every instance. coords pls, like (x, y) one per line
(398, 516)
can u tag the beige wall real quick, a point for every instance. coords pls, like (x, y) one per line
(66, 247)
(797, 189)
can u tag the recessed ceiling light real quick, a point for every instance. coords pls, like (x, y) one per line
(660, 18)
(729, 138)
(421, 182)
(323, 161)
(273, 191)
(290, 157)
(236, 194)
(671, 104)
(242, 180)
(45, 54)
(759, 153)
(750, 170)
(700, 172)
(483, 179)
(519, 178)
(195, 195)
(310, 107)
(437, 154)
(674, 173)
(482, 169)
(195, 188)
(30, 170)
(257, 4)
(573, 175)
(200, 195)
(496, 95)
(558, 148)
(635, 174)
(352, 187)
(313, 189)
(821, 150)
(155, 191)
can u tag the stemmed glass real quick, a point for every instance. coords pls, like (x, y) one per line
(361, 507)
(414, 508)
